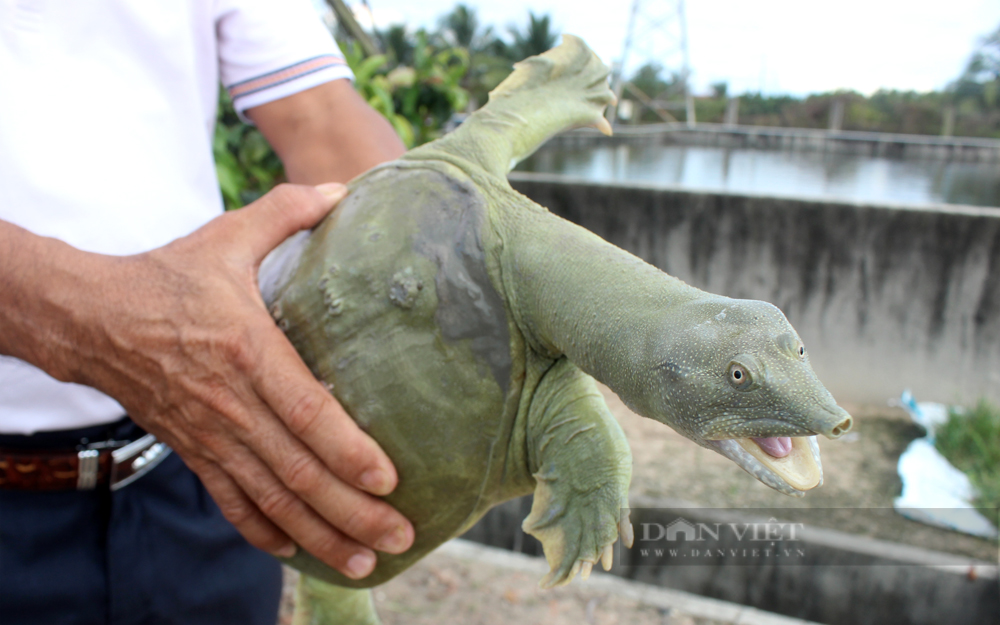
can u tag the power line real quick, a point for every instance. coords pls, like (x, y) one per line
(657, 34)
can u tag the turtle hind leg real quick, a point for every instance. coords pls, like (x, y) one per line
(319, 603)
(582, 466)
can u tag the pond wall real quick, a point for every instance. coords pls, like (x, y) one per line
(874, 144)
(884, 297)
(847, 580)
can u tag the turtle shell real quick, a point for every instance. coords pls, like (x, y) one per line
(390, 303)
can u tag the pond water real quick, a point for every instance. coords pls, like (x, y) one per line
(803, 174)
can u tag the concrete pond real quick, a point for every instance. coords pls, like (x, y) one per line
(799, 162)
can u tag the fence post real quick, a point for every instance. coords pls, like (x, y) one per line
(732, 112)
(948, 123)
(837, 115)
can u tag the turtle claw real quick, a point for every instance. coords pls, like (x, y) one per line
(548, 581)
(577, 530)
(607, 557)
(625, 528)
(560, 577)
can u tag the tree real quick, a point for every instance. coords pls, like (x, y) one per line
(975, 95)
(488, 62)
(649, 80)
(537, 37)
(460, 29)
(981, 79)
(398, 44)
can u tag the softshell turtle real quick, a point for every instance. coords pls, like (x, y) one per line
(459, 324)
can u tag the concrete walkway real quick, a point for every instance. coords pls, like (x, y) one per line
(675, 601)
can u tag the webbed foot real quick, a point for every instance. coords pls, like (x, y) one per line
(582, 468)
(578, 529)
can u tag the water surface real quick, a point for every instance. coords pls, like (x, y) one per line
(803, 174)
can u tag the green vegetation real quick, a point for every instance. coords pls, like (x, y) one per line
(419, 82)
(422, 79)
(884, 111)
(970, 440)
(972, 101)
(417, 97)
(245, 165)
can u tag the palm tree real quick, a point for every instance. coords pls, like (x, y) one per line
(488, 59)
(537, 37)
(981, 80)
(398, 44)
(460, 28)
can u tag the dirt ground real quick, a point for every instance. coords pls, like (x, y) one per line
(445, 590)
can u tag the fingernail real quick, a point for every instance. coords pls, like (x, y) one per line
(395, 541)
(360, 565)
(376, 482)
(332, 190)
(287, 551)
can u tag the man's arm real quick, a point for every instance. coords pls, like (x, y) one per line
(326, 134)
(180, 337)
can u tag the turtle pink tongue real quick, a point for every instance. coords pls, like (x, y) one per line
(778, 446)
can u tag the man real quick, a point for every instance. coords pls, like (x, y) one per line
(124, 291)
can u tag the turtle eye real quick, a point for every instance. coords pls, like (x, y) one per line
(801, 351)
(739, 377)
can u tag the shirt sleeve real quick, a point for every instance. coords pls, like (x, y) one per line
(271, 49)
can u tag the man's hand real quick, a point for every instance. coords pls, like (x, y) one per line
(181, 338)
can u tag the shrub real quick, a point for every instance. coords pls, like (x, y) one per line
(970, 440)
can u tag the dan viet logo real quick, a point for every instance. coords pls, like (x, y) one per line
(684, 541)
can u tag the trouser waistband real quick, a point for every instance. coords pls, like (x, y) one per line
(123, 429)
(112, 455)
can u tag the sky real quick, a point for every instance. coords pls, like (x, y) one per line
(774, 46)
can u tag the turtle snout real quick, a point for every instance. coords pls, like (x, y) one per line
(834, 423)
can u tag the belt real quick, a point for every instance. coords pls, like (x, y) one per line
(114, 464)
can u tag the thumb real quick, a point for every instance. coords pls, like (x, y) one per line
(282, 212)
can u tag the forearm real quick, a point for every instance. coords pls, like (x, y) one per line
(326, 134)
(180, 337)
(570, 425)
(98, 320)
(582, 465)
(42, 280)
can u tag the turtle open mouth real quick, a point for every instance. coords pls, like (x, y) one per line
(790, 465)
(793, 459)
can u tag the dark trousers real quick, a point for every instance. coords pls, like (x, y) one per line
(157, 551)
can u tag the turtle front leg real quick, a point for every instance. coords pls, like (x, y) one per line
(319, 603)
(582, 465)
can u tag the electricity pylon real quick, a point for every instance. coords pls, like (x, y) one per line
(657, 33)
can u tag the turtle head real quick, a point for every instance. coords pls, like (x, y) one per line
(735, 377)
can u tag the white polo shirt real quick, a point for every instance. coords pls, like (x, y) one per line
(107, 110)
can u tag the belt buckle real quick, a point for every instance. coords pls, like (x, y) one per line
(136, 459)
(86, 478)
(89, 457)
